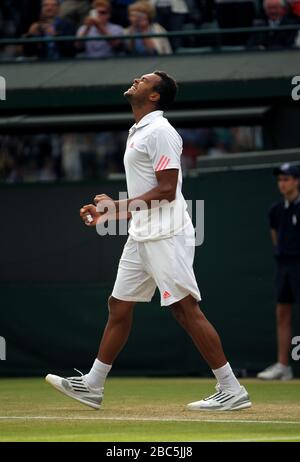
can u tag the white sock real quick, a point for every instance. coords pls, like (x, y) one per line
(283, 366)
(227, 379)
(97, 375)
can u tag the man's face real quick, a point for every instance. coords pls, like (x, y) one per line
(142, 89)
(274, 9)
(287, 184)
(102, 11)
(49, 9)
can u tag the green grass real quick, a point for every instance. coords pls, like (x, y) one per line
(147, 410)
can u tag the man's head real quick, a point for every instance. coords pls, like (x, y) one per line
(288, 177)
(50, 9)
(274, 9)
(103, 8)
(157, 89)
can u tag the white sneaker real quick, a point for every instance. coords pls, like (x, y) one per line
(77, 388)
(276, 372)
(222, 401)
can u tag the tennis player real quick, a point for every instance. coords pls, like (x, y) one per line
(159, 251)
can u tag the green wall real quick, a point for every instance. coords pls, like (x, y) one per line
(56, 277)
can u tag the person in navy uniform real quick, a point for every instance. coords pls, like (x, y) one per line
(284, 217)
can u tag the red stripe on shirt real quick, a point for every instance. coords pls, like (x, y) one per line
(164, 164)
(161, 159)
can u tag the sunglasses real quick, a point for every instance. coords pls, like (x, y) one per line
(103, 12)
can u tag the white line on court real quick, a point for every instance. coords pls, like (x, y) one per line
(151, 419)
(252, 440)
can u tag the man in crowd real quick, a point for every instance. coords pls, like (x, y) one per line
(50, 25)
(284, 219)
(97, 24)
(276, 15)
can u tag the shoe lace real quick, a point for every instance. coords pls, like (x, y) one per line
(78, 371)
(82, 375)
(76, 377)
(214, 395)
(218, 387)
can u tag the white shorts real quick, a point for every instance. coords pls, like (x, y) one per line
(165, 263)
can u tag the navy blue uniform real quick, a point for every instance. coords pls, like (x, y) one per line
(284, 218)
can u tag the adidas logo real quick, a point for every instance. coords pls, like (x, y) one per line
(166, 294)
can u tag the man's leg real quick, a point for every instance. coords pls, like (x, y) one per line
(281, 370)
(132, 282)
(284, 331)
(187, 312)
(230, 394)
(117, 329)
(88, 389)
(113, 340)
(287, 291)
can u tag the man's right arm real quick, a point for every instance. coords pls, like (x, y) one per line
(91, 210)
(274, 237)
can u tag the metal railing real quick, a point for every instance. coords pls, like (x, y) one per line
(246, 161)
(185, 33)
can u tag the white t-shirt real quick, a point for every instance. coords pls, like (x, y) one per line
(154, 145)
(100, 48)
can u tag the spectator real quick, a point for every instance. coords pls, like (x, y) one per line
(171, 14)
(47, 170)
(222, 142)
(74, 10)
(284, 219)
(50, 25)
(8, 26)
(141, 14)
(233, 14)
(71, 163)
(295, 10)
(276, 15)
(97, 24)
(294, 6)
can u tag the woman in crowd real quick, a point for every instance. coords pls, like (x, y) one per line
(141, 15)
